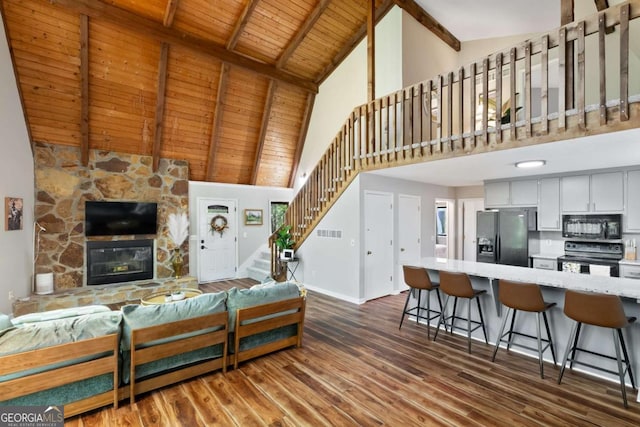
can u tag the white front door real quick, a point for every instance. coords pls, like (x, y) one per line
(217, 238)
(378, 243)
(408, 233)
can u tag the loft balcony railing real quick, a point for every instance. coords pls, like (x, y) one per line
(581, 79)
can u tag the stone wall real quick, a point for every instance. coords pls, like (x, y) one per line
(63, 185)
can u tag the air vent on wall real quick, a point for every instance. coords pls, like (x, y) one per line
(331, 234)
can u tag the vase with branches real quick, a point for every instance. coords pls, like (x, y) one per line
(178, 224)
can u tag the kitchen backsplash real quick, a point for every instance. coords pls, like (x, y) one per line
(552, 242)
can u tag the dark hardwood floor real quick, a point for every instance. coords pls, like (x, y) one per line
(357, 368)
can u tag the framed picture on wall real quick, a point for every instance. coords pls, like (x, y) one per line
(253, 217)
(13, 213)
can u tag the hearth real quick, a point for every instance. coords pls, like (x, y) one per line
(118, 261)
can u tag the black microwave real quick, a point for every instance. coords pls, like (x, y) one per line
(595, 227)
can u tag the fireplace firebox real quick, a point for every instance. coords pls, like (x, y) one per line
(118, 261)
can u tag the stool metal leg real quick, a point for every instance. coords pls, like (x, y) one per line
(500, 334)
(573, 334)
(623, 388)
(546, 325)
(441, 318)
(428, 315)
(484, 331)
(469, 326)
(575, 345)
(513, 322)
(453, 318)
(626, 358)
(539, 345)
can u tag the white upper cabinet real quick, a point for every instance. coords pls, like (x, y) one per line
(549, 205)
(496, 194)
(524, 193)
(575, 193)
(607, 192)
(632, 219)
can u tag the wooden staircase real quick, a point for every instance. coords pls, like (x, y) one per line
(450, 115)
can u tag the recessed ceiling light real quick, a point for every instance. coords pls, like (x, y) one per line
(531, 164)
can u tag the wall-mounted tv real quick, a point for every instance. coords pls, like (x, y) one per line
(120, 218)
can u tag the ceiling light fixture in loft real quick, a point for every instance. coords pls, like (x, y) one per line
(528, 164)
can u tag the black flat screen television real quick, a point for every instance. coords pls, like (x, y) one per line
(120, 218)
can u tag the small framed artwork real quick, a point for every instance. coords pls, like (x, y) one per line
(253, 217)
(13, 213)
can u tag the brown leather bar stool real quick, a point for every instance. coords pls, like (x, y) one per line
(418, 279)
(601, 310)
(524, 297)
(458, 285)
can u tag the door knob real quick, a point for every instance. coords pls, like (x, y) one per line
(369, 252)
(203, 247)
(401, 249)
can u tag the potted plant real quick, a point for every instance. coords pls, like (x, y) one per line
(283, 241)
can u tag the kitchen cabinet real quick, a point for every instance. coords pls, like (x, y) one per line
(632, 218)
(607, 192)
(549, 205)
(575, 193)
(630, 271)
(496, 194)
(599, 192)
(524, 193)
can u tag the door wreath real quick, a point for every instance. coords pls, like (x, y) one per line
(218, 224)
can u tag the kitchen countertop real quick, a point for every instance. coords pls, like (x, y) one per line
(629, 288)
(630, 262)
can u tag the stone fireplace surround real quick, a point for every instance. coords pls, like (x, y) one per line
(63, 184)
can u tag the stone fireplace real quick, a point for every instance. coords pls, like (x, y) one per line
(64, 184)
(119, 261)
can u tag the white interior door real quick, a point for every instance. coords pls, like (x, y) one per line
(468, 209)
(378, 243)
(409, 232)
(217, 239)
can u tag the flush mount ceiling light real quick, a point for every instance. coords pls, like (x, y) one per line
(531, 164)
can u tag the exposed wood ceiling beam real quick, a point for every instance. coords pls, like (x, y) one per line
(241, 23)
(302, 32)
(418, 13)
(98, 9)
(160, 102)
(170, 12)
(306, 119)
(84, 89)
(263, 130)
(371, 50)
(348, 47)
(217, 118)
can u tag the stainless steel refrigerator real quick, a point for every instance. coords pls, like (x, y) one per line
(503, 236)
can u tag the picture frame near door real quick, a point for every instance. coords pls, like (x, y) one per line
(13, 213)
(253, 217)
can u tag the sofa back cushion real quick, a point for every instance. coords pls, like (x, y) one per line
(242, 298)
(60, 314)
(5, 322)
(141, 316)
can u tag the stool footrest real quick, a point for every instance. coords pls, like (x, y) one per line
(410, 311)
(452, 324)
(624, 362)
(548, 343)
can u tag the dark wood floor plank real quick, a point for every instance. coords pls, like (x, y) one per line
(357, 368)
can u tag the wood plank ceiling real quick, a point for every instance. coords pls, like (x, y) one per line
(227, 85)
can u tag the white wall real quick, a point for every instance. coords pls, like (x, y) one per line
(250, 238)
(346, 88)
(16, 180)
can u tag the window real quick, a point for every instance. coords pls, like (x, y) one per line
(277, 212)
(441, 220)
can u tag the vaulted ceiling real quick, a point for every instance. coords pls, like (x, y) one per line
(227, 85)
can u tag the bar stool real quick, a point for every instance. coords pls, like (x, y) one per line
(598, 310)
(524, 297)
(458, 285)
(418, 279)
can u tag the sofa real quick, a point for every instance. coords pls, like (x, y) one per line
(88, 357)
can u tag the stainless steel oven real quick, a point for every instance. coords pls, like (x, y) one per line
(594, 227)
(599, 258)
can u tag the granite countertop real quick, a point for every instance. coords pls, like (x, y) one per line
(630, 262)
(629, 288)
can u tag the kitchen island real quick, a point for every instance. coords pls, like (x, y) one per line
(553, 284)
